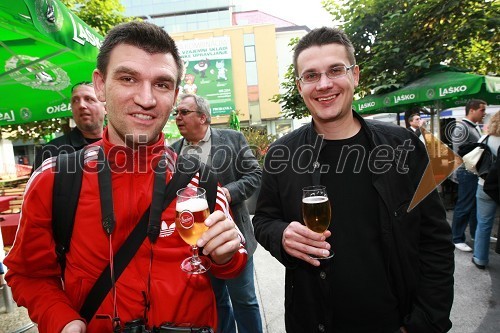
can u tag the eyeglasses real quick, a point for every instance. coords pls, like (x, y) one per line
(331, 73)
(183, 112)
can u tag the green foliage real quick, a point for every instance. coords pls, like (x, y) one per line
(36, 130)
(292, 105)
(258, 141)
(396, 41)
(102, 15)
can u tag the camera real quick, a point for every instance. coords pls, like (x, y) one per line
(138, 326)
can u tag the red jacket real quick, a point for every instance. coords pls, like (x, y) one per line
(34, 274)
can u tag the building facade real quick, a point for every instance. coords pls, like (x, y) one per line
(235, 59)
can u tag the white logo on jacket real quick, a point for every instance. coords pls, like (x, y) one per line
(167, 230)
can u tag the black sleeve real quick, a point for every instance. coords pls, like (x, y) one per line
(268, 222)
(433, 298)
(492, 181)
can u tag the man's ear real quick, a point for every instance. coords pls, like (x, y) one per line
(98, 80)
(355, 74)
(299, 88)
(203, 118)
(176, 96)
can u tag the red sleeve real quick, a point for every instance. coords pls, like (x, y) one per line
(233, 267)
(33, 272)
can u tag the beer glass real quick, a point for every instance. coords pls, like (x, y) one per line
(316, 211)
(191, 212)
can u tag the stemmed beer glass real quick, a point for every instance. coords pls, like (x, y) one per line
(316, 211)
(191, 212)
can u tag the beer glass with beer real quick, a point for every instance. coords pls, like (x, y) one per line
(191, 212)
(316, 211)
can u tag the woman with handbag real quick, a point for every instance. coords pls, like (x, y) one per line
(486, 206)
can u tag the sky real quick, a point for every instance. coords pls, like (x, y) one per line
(305, 12)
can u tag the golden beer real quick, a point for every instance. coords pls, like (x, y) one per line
(316, 212)
(190, 216)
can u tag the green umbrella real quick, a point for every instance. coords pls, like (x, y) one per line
(436, 90)
(44, 50)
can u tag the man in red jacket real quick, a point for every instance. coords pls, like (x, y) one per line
(138, 75)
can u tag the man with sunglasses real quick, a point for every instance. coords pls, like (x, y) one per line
(88, 114)
(392, 269)
(238, 171)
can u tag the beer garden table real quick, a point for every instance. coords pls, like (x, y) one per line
(4, 202)
(8, 222)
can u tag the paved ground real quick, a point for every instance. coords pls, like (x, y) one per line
(476, 308)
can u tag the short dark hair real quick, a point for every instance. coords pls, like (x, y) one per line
(323, 36)
(473, 104)
(83, 83)
(144, 35)
(413, 115)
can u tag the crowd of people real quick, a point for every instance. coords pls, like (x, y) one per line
(392, 266)
(474, 208)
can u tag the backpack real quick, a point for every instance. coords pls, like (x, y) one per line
(68, 183)
(477, 157)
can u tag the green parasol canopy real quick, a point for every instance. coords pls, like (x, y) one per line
(44, 50)
(437, 90)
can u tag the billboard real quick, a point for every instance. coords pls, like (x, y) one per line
(208, 72)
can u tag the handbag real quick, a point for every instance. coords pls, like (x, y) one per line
(479, 159)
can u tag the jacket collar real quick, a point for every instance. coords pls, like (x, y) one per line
(315, 139)
(77, 139)
(127, 159)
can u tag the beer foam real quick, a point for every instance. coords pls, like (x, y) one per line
(314, 200)
(193, 205)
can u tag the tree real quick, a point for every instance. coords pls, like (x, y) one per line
(101, 15)
(291, 102)
(258, 141)
(397, 41)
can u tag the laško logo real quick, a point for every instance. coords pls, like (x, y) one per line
(186, 219)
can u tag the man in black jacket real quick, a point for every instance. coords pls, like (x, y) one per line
(393, 266)
(88, 114)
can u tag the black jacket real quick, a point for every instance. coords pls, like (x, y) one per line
(67, 143)
(417, 247)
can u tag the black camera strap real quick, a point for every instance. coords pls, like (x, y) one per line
(152, 216)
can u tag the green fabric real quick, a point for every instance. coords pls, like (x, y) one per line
(44, 50)
(438, 90)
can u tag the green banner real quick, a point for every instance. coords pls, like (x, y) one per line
(208, 72)
(445, 89)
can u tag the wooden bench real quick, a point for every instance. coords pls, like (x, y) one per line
(16, 202)
(12, 191)
(13, 182)
(14, 205)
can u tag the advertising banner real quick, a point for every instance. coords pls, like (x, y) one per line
(208, 72)
(443, 90)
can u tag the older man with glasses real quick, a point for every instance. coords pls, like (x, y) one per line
(229, 155)
(88, 114)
